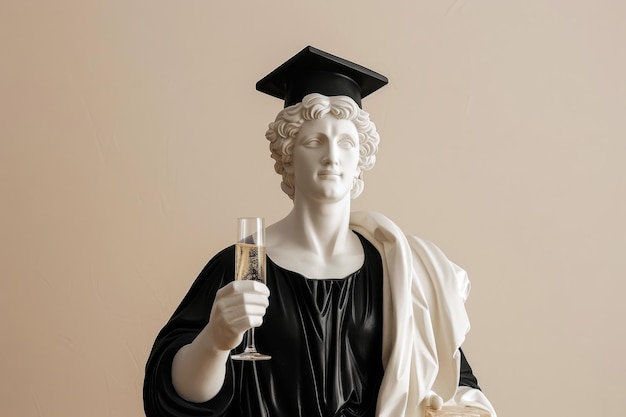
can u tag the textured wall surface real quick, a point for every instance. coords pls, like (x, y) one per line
(128, 129)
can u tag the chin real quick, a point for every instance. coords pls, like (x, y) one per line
(334, 197)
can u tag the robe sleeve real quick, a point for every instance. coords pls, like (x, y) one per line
(191, 316)
(466, 377)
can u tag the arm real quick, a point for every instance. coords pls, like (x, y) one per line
(468, 393)
(199, 368)
(190, 319)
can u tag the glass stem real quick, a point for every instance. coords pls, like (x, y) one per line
(250, 340)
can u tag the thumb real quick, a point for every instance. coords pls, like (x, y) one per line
(434, 401)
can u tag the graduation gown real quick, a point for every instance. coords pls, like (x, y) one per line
(324, 336)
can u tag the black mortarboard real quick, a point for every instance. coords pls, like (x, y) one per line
(315, 71)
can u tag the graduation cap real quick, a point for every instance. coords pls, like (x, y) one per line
(314, 71)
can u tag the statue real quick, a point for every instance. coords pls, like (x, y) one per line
(359, 318)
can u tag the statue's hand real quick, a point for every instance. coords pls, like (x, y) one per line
(238, 306)
(433, 401)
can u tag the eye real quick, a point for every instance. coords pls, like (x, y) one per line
(347, 143)
(312, 142)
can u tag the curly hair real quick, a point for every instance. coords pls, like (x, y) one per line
(282, 132)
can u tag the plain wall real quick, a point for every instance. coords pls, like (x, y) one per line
(131, 136)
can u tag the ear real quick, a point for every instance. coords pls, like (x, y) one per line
(288, 167)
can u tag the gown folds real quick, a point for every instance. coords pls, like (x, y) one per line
(325, 337)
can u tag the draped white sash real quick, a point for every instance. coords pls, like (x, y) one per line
(425, 321)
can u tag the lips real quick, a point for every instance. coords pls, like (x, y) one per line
(329, 173)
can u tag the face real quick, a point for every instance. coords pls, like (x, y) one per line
(325, 159)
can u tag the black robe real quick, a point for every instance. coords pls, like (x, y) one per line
(324, 336)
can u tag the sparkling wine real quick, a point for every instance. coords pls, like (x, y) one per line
(250, 265)
(249, 262)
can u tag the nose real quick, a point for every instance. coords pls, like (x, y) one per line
(331, 156)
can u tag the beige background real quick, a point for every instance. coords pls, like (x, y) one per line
(130, 129)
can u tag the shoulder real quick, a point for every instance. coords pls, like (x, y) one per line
(196, 304)
(445, 273)
(221, 262)
(225, 255)
(368, 246)
(218, 271)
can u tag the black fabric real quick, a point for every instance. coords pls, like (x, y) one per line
(324, 336)
(466, 377)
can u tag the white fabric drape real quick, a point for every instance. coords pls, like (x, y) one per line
(425, 321)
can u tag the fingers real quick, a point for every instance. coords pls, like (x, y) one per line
(242, 304)
(247, 286)
(238, 306)
(434, 401)
(245, 312)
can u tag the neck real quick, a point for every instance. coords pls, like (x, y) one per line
(315, 240)
(320, 228)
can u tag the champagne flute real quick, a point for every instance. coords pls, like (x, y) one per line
(250, 264)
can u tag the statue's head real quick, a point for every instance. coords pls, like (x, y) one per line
(314, 84)
(283, 131)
